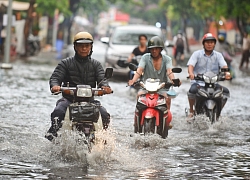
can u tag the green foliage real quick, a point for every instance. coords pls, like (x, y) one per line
(49, 6)
(147, 10)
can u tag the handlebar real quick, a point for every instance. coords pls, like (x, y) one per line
(72, 91)
(176, 82)
(221, 77)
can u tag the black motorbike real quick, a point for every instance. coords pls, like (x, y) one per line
(210, 98)
(83, 114)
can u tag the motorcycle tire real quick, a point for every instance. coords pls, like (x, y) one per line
(212, 115)
(164, 134)
(147, 126)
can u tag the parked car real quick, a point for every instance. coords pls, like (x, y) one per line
(122, 42)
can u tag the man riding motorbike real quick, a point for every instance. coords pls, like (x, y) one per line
(202, 61)
(155, 65)
(72, 71)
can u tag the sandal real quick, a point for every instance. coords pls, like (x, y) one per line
(190, 117)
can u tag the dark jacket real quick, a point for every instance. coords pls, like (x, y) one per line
(75, 70)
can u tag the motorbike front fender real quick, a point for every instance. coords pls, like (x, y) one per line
(210, 104)
(150, 113)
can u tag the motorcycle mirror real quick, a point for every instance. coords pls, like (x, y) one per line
(132, 67)
(176, 70)
(108, 73)
(122, 63)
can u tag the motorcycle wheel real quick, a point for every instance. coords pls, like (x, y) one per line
(147, 126)
(212, 115)
(165, 131)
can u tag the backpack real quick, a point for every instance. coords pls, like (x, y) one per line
(180, 42)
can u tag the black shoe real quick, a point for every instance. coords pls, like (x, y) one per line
(51, 134)
(105, 126)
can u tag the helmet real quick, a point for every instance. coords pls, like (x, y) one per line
(207, 37)
(155, 41)
(179, 32)
(221, 38)
(83, 37)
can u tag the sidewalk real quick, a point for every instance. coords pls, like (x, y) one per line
(43, 57)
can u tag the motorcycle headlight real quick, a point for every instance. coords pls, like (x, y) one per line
(214, 79)
(83, 91)
(206, 79)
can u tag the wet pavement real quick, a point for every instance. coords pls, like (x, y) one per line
(192, 151)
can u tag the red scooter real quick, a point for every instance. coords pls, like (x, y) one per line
(151, 114)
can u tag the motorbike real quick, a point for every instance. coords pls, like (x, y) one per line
(83, 114)
(210, 98)
(33, 44)
(151, 114)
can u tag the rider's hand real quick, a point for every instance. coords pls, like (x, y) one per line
(175, 83)
(56, 88)
(107, 89)
(179, 82)
(131, 82)
(191, 76)
(227, 75)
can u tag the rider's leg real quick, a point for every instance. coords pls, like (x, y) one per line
(226, 95)
(168, 102)
(140, 92)
(104, 114)
(191, 98)
(105, 117)
(56, 118)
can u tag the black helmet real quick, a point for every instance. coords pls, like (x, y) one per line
(155, 41)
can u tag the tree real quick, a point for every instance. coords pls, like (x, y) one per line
(239, 10)
(183, 11)
(146, 10)
(43, 7)
(91, 8)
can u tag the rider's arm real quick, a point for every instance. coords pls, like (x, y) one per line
(221, 60)
(191, 71)
(58, 76)
(192, 63)
(137, 75)
(130, 57)
(170, 74)
(99, 74)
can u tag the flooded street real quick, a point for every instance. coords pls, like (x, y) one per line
(192, 151)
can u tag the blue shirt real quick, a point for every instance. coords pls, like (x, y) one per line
(203, 63)
(146, 63)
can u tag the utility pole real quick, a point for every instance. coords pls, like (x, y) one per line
(6, 64)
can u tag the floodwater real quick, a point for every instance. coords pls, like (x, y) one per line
(192, 151)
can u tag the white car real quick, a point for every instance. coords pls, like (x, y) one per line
(122, 42)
